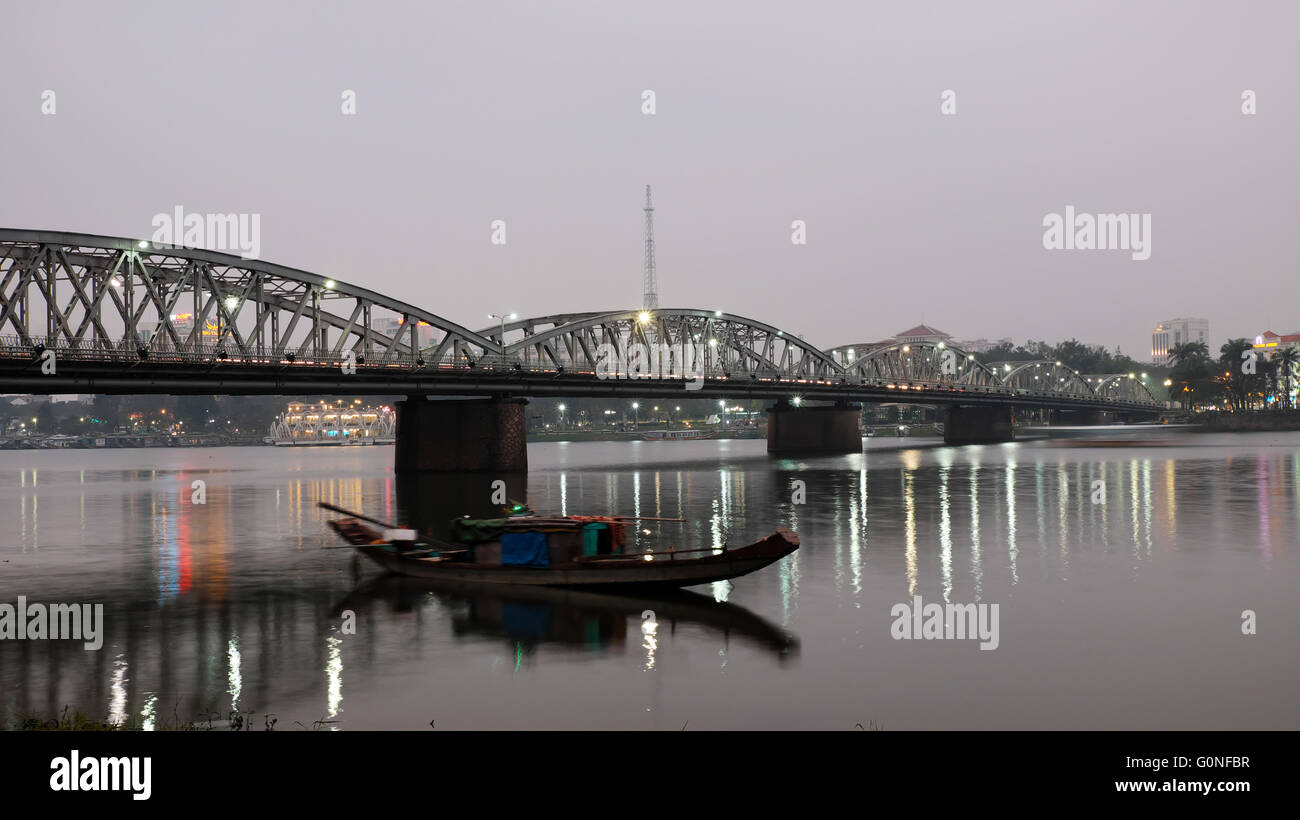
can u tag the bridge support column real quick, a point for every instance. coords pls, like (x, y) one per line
(461, 435)
(795, 430)
(978, 424)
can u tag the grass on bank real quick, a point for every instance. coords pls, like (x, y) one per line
(71, 720)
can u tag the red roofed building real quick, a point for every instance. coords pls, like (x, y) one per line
(1269, 343)
(1268, 340)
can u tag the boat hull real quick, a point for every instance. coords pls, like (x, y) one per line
(663, 572)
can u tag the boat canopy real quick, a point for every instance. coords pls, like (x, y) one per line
(479, 530)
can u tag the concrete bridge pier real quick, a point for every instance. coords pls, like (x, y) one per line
(461, 435)
(427, 502)
(978, 424)
(813, 430)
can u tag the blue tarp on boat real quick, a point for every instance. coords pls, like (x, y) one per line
(524, 549)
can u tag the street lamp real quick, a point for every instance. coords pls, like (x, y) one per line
(636, 415)
(503, 317)
(561, 415)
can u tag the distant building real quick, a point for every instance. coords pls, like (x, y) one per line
(1268, 341)
(982, 345)
(921, 334)
(389, 326)
(1173, 332)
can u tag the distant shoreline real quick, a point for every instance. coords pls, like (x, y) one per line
(1276, 421)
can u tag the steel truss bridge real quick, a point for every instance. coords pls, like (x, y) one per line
(96, 314)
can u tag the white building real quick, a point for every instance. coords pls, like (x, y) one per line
(1172, 332)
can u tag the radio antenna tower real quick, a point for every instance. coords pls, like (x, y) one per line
(649, 282)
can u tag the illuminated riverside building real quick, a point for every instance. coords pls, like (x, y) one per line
(1269, 343)
(1173, 332)
(340, 422)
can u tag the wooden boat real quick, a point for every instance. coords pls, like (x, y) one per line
(569, 561)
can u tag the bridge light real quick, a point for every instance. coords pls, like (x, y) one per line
(717, 313)
(713, 342)
(329, 284)
(231, 301)
(115, 282)
(1007, 367)
(907, 348)
(940, 345)
(643, 317)
(636, 405)
(143, 243)
(1168, 383)
(797, 400)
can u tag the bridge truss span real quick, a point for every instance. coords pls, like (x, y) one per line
(1121, 387)
(92, 297)
(922, 363)
(677, 341)
(1041, 376)
(130, 316)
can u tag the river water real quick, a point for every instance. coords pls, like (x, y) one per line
(1122, 576)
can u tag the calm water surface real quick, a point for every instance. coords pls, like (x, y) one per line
(1119, 614)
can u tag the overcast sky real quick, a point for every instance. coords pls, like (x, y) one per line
(765, 113)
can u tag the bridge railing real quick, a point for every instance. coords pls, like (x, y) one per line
(131, 353)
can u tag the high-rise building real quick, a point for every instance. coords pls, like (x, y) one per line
(1173, 332)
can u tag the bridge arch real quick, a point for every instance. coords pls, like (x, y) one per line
(722, 345)
(1122, 387)
(1044, 376)
(929, 362)
(115, 297)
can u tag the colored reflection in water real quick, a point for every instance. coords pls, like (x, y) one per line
(237, 603)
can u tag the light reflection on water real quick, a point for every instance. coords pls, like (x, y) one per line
(1114, 614)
